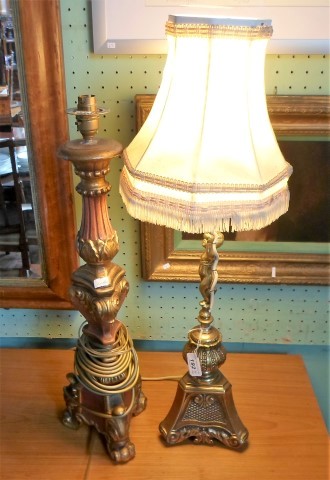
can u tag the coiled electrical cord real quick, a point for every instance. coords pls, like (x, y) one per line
(107, 370)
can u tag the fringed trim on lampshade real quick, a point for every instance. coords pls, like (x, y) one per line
(199, 218)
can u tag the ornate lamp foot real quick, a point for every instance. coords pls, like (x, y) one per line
(88, 401)
(204, 413)
(72, 396)
(110, 415)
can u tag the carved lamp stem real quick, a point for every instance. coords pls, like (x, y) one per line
(101, 393)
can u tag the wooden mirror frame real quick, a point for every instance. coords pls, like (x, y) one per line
(39, 36)
(161, 261)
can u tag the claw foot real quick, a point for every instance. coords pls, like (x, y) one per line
(72, 399)
(122, 455)
(70, 420)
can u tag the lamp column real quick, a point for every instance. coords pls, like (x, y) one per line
(105, 389)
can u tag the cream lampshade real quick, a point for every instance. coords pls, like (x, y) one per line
(207, 157)
(207, 161)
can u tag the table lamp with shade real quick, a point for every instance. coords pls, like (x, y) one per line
(207, 161)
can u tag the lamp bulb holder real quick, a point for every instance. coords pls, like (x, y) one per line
(87, 116)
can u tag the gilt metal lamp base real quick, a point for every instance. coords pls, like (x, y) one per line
(203, 409)
(204, 413)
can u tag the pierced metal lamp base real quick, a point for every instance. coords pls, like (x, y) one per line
(204, 413)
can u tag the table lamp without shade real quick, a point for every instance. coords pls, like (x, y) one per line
(207, 161)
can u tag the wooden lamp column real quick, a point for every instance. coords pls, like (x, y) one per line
(105, 390)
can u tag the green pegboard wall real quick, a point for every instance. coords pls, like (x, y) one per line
(165, 311)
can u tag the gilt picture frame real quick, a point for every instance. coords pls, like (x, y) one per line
(167, 256)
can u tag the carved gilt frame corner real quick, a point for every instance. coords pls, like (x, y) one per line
(161, 261)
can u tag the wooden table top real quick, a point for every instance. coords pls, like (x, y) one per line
(272, 393)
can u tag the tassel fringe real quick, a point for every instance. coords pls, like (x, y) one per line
(207, 218)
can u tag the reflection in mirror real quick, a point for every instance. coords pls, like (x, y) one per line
(38, 35)
(19, 249)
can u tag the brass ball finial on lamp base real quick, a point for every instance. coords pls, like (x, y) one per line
(105, 389)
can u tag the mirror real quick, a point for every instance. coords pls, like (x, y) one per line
(19, 243)
(38, 44)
